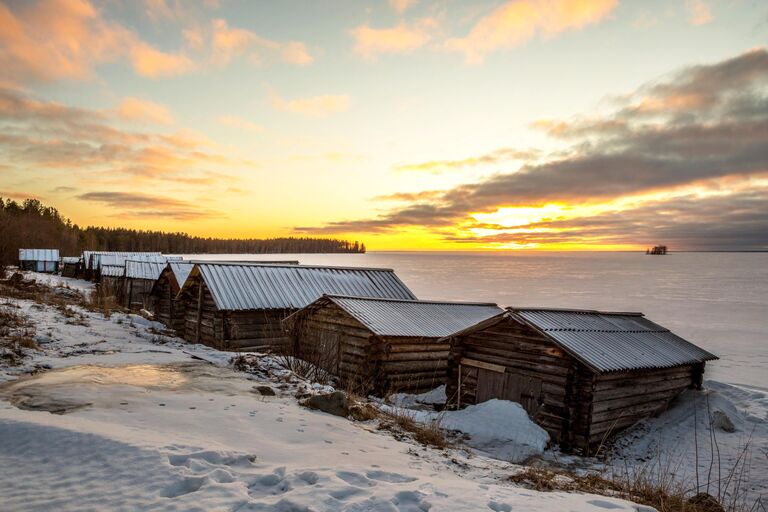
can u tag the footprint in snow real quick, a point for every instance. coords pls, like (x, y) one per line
(355, 479)
(392, 478)
(605, 504)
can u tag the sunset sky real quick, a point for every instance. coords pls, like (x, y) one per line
(407, 124)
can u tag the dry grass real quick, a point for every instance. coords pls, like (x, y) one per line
(102, 300)
(402, 421)
(16, 333)
(664, 496)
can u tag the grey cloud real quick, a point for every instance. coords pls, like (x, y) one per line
(718, 130)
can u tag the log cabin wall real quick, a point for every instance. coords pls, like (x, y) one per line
(511, 361)
(331, 338)
(112, 286)
(338, 343)
(621, 399)
(178, 320)
(136, 292)
(255, 330)
(226, 330)
(203, 322)
(69, 270)
(162, 300)
(412, 365)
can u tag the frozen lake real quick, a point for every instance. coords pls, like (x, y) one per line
(716, 300)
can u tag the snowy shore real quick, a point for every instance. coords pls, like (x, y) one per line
(112, 413)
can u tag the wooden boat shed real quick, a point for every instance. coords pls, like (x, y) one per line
(240, 306)
(70, 266)
(582, 375)
(382, 345)
(139, 278)
(163, 295)
(92, 260)
(111, 279)
(39, 260)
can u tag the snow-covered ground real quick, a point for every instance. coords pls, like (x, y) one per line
(55, 280)
(729, 451)
(124, 417)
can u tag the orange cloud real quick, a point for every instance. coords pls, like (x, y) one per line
(518, 21)
(239, 123)
(400, 6)
(135, 109)
(317, 106)
(699, 12)
(370, 42)
(152, 63)
(67, 39)
(296, 53)
(228, 42)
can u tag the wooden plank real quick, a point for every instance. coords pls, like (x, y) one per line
(481, 364)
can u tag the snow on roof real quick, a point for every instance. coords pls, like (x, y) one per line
(608, 341)
(38, 255)
(270, 286)
(417, 318)
(70, 259)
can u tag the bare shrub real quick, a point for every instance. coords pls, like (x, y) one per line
(403, 420)
(304, 369)
(103, 300)
(16, 334)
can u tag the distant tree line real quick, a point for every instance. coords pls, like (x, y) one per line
(30, 224)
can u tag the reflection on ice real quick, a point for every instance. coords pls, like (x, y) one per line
(69, 389)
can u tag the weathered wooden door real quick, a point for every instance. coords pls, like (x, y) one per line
(524, 390)
(492, 383)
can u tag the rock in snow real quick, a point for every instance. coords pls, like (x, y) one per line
(333, 403)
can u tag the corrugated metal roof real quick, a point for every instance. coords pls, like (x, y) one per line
(181, 270)
(610, 342)
(144, 269)
(114, 258)
(38, 255)
(112, 271)
(428, 319)
(260, 286)
(98, 255)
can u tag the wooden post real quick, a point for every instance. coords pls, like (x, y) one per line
(170, 305)
(199, 309)
(458, 391)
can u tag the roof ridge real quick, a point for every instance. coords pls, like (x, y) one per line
(514, 309)
(569, 329)
(416, 301)
(266, 264)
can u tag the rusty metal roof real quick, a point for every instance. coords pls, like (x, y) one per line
(112, 271)
(38, 255)
(609, 342)
(269, 286)
(415, 318)
(150, 270)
